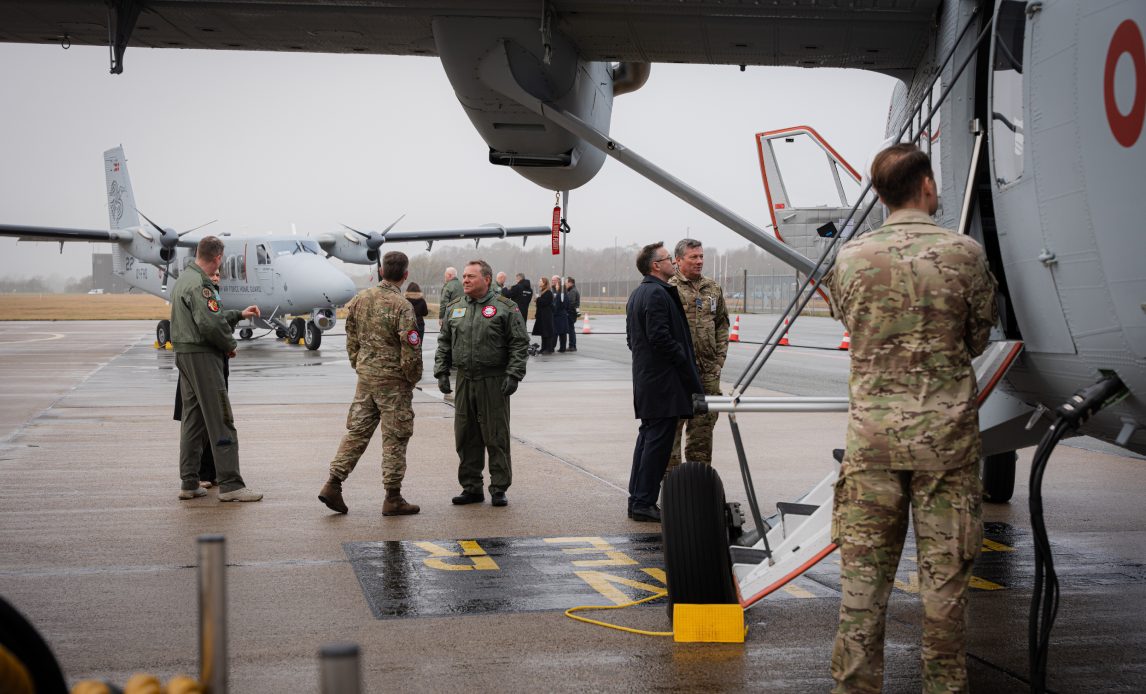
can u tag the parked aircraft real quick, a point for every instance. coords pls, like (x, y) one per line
(286, 276)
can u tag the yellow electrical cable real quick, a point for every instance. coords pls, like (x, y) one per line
(569, 613)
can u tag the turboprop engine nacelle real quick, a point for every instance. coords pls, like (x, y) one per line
(351, 248)
(324, 318)
(149, 250)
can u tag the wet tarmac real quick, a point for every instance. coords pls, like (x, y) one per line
(99, 554)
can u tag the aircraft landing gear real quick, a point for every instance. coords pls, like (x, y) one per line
(280, 333)
(163, 332)
(999, 477)
(313, 337)
(246, 333)
(295, 330)
(695, 528)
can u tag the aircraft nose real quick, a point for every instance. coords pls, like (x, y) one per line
(341, 289)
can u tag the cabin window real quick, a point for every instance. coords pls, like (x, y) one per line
(1007, 122)
(241, 266)
(261, 255)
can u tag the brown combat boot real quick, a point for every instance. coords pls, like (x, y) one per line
(395, 505)
(331, 495)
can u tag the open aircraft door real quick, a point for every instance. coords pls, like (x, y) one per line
(808, 185)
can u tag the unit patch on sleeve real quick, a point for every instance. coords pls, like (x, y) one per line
(213, 305)
(412, 338)
(208, 294)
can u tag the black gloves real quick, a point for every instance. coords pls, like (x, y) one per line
(509, 386)
(444, 383)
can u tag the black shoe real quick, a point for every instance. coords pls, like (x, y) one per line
(498, 499)
(630, 512)
(469, 498)
(572, 349)
(561, 351)
(646, 514)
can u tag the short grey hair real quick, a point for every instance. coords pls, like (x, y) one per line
(684, 246)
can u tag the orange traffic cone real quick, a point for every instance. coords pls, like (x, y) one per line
(734, 334)
(784, 338)
(845, 341)
(586, 329)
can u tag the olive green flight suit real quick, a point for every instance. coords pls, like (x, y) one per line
(201, 336)
(485, 341)
(450, 292)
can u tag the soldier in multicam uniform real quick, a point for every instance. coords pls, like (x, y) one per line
(385, 349)
(919, 302)
(484, 338)
(703, 302)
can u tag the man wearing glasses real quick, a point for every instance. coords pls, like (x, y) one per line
(664, 375)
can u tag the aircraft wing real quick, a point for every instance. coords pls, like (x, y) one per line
(492, 231)
(62, 234)
(883, 35)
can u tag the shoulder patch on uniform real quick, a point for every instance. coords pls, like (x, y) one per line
(413, 338)
(213, 305)
(208, 294)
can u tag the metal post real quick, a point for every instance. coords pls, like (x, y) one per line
(744, 299)
(339, 670)
(212, 614)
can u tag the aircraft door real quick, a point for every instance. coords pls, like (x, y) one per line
(264, 270)
(807, 185)
(1030, 257)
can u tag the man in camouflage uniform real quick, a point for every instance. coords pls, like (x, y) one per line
(707, 315)
(483, 336)
(385, 350)
(919, 302)
(451, 290)
(201, 336)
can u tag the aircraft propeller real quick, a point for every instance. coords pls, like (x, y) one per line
(168, 239)
(375, 239)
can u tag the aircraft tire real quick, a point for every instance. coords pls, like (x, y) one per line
(163, 332)
(246, 333)
(697, 561)
(280, 333)
(296, 330)
(999, 477)
(23, 641)
(313, 336)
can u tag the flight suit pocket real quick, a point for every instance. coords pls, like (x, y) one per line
(404, 424)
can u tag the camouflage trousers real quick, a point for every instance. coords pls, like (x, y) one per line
(698, 437)
(869, 523)
(388, 407)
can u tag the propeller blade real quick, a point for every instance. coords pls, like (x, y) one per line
(387, 229)
(184, 233)
(360, 233)
(157, 227)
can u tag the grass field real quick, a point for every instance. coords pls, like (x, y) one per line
(83, 307)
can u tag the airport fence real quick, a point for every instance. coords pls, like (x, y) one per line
(769, 293)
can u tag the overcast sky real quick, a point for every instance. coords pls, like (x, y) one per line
(262, 141)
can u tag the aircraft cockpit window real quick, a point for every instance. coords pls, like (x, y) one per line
(261, 255)
(293, 247)
(309, 247)
(1007, 92)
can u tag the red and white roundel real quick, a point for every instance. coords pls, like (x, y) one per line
(412, 337)
(489, 311)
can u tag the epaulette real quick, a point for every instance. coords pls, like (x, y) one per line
(508, 303)
(455, 301)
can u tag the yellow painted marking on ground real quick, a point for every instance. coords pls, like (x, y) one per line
(478, 561)
(984, 584)
(658, 574)
(911, 585)
(796, 591)
(597, 545)
(992, 546)
(603, 583)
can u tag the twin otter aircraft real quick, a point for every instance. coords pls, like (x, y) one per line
(285, 276)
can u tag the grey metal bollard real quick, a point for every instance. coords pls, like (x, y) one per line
(213, 614)
(339, 670)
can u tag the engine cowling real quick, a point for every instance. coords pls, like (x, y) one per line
(351, 248)
(149, 251)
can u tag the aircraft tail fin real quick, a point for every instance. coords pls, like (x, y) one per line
(121, 212)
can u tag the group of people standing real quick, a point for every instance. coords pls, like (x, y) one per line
(555, 321)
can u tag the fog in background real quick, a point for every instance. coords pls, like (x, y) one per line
(270, 142)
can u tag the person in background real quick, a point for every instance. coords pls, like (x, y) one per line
(560, 313)
(573, 308)
(543, 320)
(522, 293)
(451, 290)
(500, 287)
(421, 309)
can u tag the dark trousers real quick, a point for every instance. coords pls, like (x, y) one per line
(650, 458)
(207, 420)
(481, 425)
(548, 342)
(561, 341)
(207, 461)
(573, 336)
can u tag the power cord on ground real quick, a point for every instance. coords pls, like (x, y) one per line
(569, 613)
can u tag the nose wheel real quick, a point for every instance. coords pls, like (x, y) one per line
(295, 330)
(246, 333)
(313, 336)
(163, 332)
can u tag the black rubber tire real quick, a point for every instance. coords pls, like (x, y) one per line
(698, 565)
(296, 330)
(246, 333)
(999, 477)
(312, 336)
(163, 332)
(21, 639)
(280, 333)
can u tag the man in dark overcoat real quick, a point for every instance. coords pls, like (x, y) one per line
(664, 375)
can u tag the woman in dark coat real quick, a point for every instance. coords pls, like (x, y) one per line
(421, 310)
(543, 318)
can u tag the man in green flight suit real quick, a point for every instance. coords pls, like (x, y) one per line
(452, 289)
(483, 336)
(201, 336)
